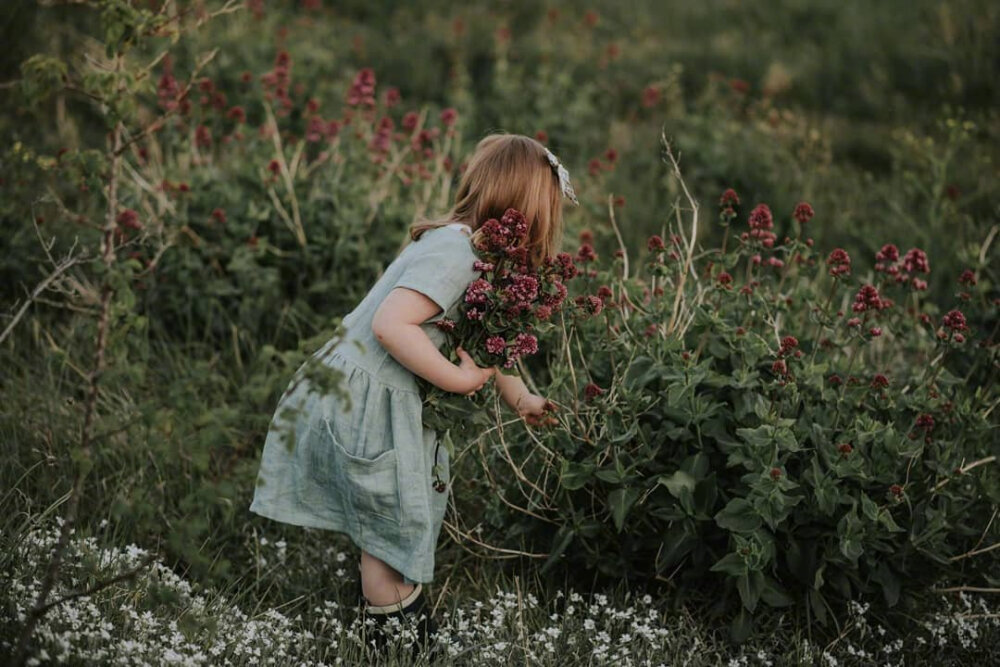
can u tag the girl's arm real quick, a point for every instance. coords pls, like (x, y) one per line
(396, 325)
(528, 405)
(512, 389)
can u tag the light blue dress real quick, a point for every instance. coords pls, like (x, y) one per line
(365, 469)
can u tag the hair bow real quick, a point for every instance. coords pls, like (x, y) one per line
(567, 189)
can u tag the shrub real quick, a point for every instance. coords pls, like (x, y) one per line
(796, 426)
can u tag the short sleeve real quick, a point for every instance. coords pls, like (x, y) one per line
(440, 268)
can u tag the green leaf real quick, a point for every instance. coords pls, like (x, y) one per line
(750, 585)
(574, 475)
(885, 518)
(731, 563)
(868, 507)
(741, 627)
(609, 475)
(818, 605)
(678, 543)
(562, 539)
(738, 516)
(620, 501)
(882, 574)
(677, 482)
(774, 594)
(696, 465)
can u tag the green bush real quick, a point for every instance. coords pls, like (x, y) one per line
(762, 420)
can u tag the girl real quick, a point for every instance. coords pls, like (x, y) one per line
(363, 466)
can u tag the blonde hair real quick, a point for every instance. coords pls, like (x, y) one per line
(507, 171)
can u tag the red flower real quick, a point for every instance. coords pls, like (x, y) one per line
(845, 448)
(834, 380)
(875, 332)
(476, 292)
(219, 215)
(590, 18)
(729, 198)
(129, 219)
(880, 382)
(604, 292)
(788, 343)
(868, 298)
(776, 474)
(916, 260)
(854, 322)
(542, 136)
(594, 167)
(761, 221)
(202, 137)
(362, 91)
(779, 367)
(739, 86)
(590, 303)
(444, 324)
(496, 345)
(724, 279)
(448, 117)
(925, 421)
(524, 344)
(515, 223)
(586, 253)
(954, 320)
(968, 277)
(839, 262)
(655, 242)
(237, 114)
(410, 120)
(611, 155)
(592, 391)
(650, 96)
(392, 97)
(888, 253)
(567, 269)
(803, 212)
(896, 490)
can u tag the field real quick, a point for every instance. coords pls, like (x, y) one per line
(777, 435)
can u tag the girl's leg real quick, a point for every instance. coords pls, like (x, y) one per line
(380, 583)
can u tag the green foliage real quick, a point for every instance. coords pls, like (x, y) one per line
(259, 227)
(767, 444)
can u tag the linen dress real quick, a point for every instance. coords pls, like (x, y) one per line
(364, 468)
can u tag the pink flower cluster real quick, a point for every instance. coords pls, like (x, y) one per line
(761, 223)
(868, 298)
(887, 261)
(839, 262)
(501, 308)
(362, 92)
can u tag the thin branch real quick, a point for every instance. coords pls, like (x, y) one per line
(39, 288)
(100, 586)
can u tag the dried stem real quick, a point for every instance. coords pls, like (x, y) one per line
(679, 293)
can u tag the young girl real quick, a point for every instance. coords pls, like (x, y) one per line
(363, 466)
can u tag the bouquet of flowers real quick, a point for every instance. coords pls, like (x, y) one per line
(501, 314)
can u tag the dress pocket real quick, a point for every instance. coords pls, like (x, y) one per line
(372, 483)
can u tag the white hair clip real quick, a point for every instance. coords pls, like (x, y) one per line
(567, 189)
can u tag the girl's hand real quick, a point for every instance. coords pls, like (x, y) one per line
(474, 376)
(534, 409)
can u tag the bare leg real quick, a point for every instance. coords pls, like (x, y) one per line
(381, 584)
